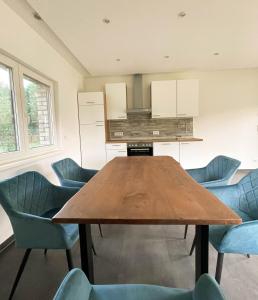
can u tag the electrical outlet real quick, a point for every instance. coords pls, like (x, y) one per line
(118, 133)
(155, 132)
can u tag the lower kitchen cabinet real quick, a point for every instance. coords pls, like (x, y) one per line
(166, 149)
(93, 146)
(115, 150)
(191, 155)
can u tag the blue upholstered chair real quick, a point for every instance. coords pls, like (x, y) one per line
(218, 172)
(76, 286)
(30, 201)
(243, 239)
(71, 174)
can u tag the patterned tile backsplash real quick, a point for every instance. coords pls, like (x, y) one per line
(141, 126)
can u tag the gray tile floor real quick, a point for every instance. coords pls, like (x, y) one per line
(129, 254)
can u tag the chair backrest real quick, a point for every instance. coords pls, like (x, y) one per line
(248, 198)
(29, 193)
(74, 286)
(221, 167)
(67, 169)
(207, 288)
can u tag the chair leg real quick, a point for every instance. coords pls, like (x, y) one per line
(219, 266)
(93, 249)
(69, 259)
(186, 228)
(20, 271)
(100, 231)
(193, 246)
(45, 252)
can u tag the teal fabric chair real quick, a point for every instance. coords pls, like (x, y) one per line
(243, 239)
(71, 174)
(76, 286)
(30, 201)
(218, 172)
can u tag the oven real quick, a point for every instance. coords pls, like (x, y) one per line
(140, 149)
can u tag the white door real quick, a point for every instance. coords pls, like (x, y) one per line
(187, 98)
(116, 101)
(89, 114)
(163, 99)
(166, 149)
(115, 153)
(191, 156)
(93, 146)
(90, 98)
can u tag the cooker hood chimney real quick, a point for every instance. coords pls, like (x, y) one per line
(138, 106)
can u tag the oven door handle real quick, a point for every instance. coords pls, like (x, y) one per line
(141, 149)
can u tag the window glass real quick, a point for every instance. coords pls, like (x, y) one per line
(37, 101)
(8, 130)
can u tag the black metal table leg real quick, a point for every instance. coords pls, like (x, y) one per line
(201, 250)
(86, 251)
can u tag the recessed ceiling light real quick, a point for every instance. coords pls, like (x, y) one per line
(216, 53)
(182, 14)
(106, 21)
(167, 56)
(37, 16)
(117, 59)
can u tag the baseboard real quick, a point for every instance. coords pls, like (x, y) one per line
(7, 243)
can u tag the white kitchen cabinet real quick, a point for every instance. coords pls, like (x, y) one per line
(93, 146)
(163, 99)
(115, 150)
(89, 114)
(191, 155)
(90, 98)
(166, 149)
(92, 129)
(187, 98)
(116, 101)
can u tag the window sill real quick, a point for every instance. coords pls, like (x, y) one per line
(28, 158)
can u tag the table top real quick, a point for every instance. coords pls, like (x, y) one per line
(144, 190)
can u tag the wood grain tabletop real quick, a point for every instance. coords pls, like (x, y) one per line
(144, 190)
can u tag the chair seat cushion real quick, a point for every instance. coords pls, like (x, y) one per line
(138, 292)
(217, 232)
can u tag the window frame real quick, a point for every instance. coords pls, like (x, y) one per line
(24, 151)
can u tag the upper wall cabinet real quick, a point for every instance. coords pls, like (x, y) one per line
(187, 98)
(163, 99)
(175, 98)
(90, 98)
(116, 101)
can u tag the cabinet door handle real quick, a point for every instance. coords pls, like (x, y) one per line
(90, 102)
(99, 125)
(184, 143)
(181, 114)
(121, 117)
(99, 121)
(156, 115)
(122, 151)
(165, 144)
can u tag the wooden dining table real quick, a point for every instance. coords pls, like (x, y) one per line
(140, 190)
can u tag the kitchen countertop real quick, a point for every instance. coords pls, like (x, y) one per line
(175, 139)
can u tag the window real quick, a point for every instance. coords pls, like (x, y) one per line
(26, 111)
(37, 99)
(8, 130)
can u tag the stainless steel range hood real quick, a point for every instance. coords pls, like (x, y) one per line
(138, 106)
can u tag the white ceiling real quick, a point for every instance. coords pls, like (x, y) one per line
(142, 32)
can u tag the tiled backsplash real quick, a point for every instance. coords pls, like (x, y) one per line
(141, 126)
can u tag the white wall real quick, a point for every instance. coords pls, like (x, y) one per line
(228, 116)
(22, 42)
